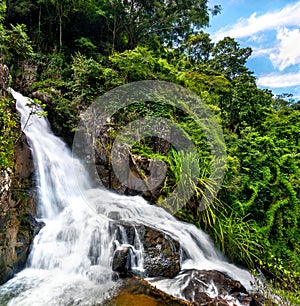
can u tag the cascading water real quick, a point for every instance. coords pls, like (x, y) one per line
(71, 259)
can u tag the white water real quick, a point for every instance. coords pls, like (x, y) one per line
(71, 259)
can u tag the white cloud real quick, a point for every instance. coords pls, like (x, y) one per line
(287, 16)
(285, 51)
(279, 80)
(257, 38)
(256, 52)
(288, 52)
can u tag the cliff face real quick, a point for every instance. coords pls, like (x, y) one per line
(17, 205)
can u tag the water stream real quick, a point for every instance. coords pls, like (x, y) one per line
(71, 259)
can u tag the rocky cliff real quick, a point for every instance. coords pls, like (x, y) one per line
(17, 205)
(17, 208)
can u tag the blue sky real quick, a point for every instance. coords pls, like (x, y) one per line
(272, 29)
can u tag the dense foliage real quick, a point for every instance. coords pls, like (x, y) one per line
(83, 49)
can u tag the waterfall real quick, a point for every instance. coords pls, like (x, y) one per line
(71, 258)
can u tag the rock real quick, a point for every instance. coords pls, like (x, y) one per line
(210, 287)
(34, 225)
(136, 175)
(114, 215)
(4, 78)
(28, 229)
(24, 168)
(138, 292)
(16, 239)
(161, 253)
(42, 96)
(121, 262)
(17, 207)
(26, 76)
(5, 196)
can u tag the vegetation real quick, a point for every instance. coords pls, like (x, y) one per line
(8, 136)
(83, 49)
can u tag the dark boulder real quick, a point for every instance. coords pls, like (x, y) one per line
(121, 262)
(211, 287)
(160, 252)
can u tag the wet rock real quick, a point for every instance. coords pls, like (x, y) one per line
(17, 207)
(114, 215)
(34, 225)
(121, 262)
(24, 168)
(29, 227)
(160, 252)
(210, 287)
(138, 292)
(16, 239)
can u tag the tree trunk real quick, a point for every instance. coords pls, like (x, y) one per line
(60, 33)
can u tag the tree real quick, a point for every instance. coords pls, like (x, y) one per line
(63, 8)
(134, 21)
(198, 46)
(248, 105)
(14, 41)
(229, 58)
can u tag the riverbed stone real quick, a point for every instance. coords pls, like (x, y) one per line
(138, 292)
